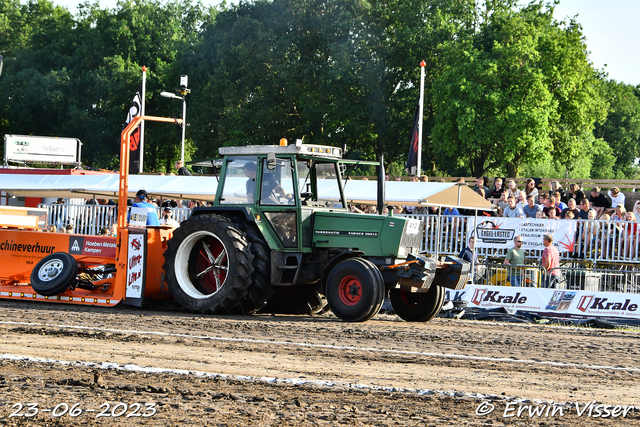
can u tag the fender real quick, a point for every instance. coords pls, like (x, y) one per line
(224, 211)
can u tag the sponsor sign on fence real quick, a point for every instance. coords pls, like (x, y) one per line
(562, 303)
(499, 233)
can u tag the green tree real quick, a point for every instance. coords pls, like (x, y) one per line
(621, 128)
(517, 90)
(338, 72)
(76, 77)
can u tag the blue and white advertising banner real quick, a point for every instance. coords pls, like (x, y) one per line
(562, 303)
(499, 232)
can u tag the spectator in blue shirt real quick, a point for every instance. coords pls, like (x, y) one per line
(530, 209)
(152, 210)
(450, 211)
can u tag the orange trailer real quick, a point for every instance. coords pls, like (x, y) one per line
(82, 269)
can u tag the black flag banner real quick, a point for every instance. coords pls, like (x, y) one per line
(134, 139)
(412, 158)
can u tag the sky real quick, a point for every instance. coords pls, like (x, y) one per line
(610, 27)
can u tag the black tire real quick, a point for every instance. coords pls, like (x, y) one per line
(54, 273)
(417, 306)
(297, 299)
(355, 290)
(260, 289)
(198, 284)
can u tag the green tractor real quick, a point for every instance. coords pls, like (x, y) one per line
(280, 233)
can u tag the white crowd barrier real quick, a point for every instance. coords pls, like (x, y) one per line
(90, 219)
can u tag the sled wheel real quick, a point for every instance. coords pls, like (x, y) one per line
(417, 306)
(54, 273)
(208, 265)
(355, 290)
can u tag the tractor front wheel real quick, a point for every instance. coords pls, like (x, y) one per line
(208, 265)
(355, 290)
(417, 306)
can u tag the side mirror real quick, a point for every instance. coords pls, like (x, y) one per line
(271, 161)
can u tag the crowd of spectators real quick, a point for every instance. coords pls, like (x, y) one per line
(527, 202)
(606, 225)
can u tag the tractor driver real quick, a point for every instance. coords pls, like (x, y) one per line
(270, 187)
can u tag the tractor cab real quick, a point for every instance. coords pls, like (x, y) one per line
(279, 187)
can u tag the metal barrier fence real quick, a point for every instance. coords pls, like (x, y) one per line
(572, 278)
(595, 241)
(90, 219)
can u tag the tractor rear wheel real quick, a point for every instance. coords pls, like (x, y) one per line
(417, 306)
(260, 289)
(54, 273)
(208, 265)
(355, 290)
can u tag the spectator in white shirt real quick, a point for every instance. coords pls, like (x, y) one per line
(616, 196)
(167, 217)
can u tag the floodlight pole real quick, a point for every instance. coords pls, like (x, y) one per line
(182, 90)
(419, 163)
(184, 125)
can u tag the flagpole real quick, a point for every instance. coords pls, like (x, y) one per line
(144, 87)
(419, 165)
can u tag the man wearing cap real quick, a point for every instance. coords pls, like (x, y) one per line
(167, 217)
(141, 202)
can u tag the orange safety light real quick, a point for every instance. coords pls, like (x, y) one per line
(283, 142)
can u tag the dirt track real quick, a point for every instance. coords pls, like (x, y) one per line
(295, 370)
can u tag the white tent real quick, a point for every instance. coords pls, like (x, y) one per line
(106, 186)
(416, 194)
(204, 188)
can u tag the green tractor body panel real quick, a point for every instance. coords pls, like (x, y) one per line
(375, 235)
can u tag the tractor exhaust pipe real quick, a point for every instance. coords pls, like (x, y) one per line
(381, 185)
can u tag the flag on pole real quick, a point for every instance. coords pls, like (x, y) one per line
(412, 158)
(134, 139)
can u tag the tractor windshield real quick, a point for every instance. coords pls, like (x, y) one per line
(240, 180)
(326, 189)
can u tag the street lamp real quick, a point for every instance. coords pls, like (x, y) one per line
(182, 90)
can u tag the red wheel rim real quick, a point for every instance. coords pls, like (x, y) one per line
(412, 299)
(213, 280)
(350, 290)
